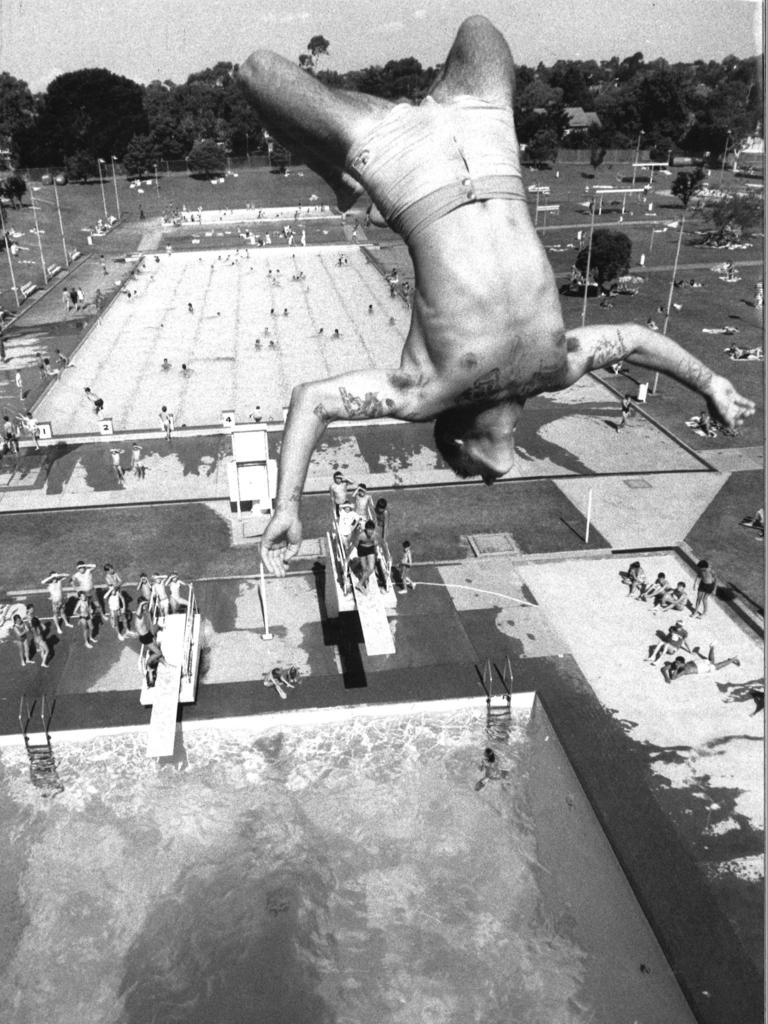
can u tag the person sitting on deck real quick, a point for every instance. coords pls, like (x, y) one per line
(675, 600)
(487, 331)
(634, 577)
(657, 589)
(675, 639)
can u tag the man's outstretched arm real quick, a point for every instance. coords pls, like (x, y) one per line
(590, 348)
(359, 395)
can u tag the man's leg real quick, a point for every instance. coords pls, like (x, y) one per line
(312, 120)
(479, 63)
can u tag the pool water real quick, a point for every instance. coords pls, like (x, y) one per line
(346, 872)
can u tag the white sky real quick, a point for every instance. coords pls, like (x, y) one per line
(146, 39)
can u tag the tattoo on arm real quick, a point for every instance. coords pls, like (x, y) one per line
(370, 406)
(287, 502)
(485, 387)
(609, 350)
(699, 377)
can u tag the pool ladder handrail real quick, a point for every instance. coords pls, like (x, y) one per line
(506, 677)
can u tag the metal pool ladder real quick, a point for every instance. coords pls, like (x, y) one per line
(487, 680)
(42, 762)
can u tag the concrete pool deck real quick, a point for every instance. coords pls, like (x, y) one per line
(686, 756)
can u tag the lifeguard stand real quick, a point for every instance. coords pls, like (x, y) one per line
(252, 474)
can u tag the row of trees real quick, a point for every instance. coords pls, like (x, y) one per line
(92, 113)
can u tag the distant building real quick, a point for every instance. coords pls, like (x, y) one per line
(580, 120)
(749, 156)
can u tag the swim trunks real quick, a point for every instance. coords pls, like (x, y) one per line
(421, 163)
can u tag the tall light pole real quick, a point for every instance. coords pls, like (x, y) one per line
(637, 157)
(588, 268)
(61, 224)
(6, 240)
(671, 293)
(157, 185)
(58, 211)
(99, 162)
(39, 239)
(114, 182)
(725, 157)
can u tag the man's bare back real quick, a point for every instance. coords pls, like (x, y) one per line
(486, 330)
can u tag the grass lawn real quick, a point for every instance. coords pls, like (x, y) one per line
(81, 206)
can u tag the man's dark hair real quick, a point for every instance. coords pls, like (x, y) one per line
(450, 425)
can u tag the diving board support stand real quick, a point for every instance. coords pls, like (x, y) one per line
(252, 474)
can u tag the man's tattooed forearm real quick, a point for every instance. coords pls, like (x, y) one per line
(696, 375)
(369, 407)
(609, 350)
(288, 501)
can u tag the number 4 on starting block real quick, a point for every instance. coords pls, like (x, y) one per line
(228, 418)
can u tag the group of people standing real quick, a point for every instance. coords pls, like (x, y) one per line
(364, 526)
(155, 596)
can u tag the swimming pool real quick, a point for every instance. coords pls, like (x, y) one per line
(340, 870)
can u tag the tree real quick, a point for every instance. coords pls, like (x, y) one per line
(17, 111)
(542, 149)
(734, 217)
(611, 256)
(13, 188)
(140, 156)
(596, 156)
(80, 165)
(316, 48)
(92, 111)
(206, 158)
(687, 184)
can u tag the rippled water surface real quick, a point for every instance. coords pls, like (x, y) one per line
(346, 872)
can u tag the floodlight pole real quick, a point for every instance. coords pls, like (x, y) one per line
(157, 185)
(114, 182)
(99, 162)
(637, 157)
(39, 239)
(671, 293)
(589, 261)
(61, 224)
(725, 157)
(10, 261)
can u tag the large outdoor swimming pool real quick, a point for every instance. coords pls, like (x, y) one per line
(343, 871)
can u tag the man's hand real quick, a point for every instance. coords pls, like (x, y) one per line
(281, 540)
(727, 404)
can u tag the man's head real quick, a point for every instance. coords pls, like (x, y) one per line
(478, 441)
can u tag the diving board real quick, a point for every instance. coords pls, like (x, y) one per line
(165, 706)
(373, 620)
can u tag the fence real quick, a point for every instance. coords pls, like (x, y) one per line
(613, 156)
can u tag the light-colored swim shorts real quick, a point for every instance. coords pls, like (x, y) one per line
(420, 163)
